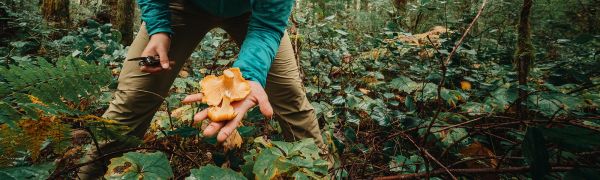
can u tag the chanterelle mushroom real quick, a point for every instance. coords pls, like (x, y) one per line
(231, 83)
(219, 92)
(224, 112)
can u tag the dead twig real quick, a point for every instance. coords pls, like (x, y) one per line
(443, 67)
(475, 171)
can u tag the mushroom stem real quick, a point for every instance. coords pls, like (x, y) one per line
(228, 79)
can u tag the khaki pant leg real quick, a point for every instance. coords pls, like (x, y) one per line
(286, 93)
(140, 94)
(284, 87)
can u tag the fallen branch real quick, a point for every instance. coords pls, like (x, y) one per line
(428, 155)
(474, 171)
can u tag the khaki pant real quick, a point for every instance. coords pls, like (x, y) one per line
(136, 108)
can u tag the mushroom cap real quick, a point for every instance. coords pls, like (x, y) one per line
(224, 112)
(231, 83)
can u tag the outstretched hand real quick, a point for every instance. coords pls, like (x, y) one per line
(257, 96)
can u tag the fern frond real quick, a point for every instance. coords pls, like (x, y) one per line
(61, 88)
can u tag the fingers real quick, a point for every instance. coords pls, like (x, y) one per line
(265, 106)
(164, 58)
(192, 98)
(213, 128)
(158, 45)
(262, 99)
(230, 127)
(150, 51)
(151, 69)
(202, 115)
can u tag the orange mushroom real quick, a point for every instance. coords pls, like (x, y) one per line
(224, 112)
(219, 92)
(231, 82)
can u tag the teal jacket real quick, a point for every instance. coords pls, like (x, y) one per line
(266, 27)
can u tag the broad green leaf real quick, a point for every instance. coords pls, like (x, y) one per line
(339, 100)
(380, 115)
(474, 108)
(184, 131)
(450, 136)
(298, 175)
(213, 172)
(264, 167)
(351, 118)
(350, 134)
(284, 146)
(246, 131)
(135, 165)
(402, 163)
(572, 137)
(40, 171)
(284, 159)
(404, 84)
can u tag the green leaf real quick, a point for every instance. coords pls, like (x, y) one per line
(380, 116)
(339, 100)
(351, 118)
(350, 134)
(40, 171)
(264, 167)
(300, 176)
(475, 108)
(410, 104)
(134, 165)
(246, 131)
(572, 137)
(404, 84)
(283, 159)
(213, 172)
(343, 33)
(402, 163)
(184, 131)
(535, 152)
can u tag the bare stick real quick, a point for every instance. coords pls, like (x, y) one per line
(475, 171)
(443, 68)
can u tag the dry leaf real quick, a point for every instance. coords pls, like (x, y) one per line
(477, 150)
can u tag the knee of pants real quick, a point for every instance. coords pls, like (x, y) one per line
(288, 98)
(133, 109)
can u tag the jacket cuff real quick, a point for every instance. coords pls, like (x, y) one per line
(160, 30)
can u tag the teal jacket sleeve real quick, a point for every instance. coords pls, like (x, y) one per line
(266, 27)
(156, 15)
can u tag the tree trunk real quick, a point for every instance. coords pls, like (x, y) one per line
(524, 56)
(124, 20)
(364, 5)
(56, 12)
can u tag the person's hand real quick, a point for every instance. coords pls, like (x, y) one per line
(257, 96)
(159, 45)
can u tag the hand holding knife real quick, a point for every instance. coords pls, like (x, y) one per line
(147, 60)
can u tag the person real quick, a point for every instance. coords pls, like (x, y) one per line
(172, 30)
